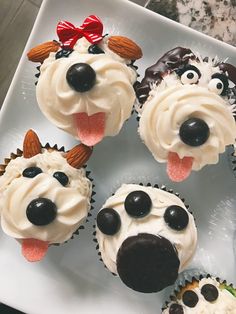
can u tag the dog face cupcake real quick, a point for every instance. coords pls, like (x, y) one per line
(85, 86)
(204, 296)
(45, 195)
(146, 236)
(187, 117)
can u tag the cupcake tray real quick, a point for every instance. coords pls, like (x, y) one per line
(71, 279)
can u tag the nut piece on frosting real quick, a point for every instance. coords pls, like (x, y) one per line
(45, 195)
(85, 85)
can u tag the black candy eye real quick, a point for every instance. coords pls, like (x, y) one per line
(176, 308)
(108, 221)
(41, 211)
(210, 292)
(61, 177)
(189, 74)
(31, 172)
(95, 49)
(138, 204)
(218, 84)
(176, 217)
(190, 298)
(81, 77)
(63, 53)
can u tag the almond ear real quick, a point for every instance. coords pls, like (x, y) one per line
(41, 52)
(124, 47)
(78, 155)
(31, 145)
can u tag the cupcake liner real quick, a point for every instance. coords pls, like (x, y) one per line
(47, 146)
(157, 186)
(232, 158)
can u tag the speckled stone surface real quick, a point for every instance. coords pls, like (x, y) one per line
(216, 18)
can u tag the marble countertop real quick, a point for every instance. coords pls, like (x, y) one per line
(216, 18)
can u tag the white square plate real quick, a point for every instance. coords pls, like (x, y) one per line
(71, 279)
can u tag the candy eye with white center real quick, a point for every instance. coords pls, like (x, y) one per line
(218, 84)
(189, 74)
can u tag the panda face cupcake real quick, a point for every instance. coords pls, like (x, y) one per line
(86, 82)
(187, 117)
(146, 236)
(204, 296)
(45, 196)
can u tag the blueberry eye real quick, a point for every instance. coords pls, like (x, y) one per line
(31, 172)
(189, 74)
(61, 177)
(176, 308)
(190, 298)
(108, 221)
(210, 292)
(176, 217)
(138, 204)
(95, 49)
(63, 53)
(218, 84)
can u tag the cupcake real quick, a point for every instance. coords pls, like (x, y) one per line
(187, 110)
(45, 195)
(206, 295)
(146, 236)
(85, 84)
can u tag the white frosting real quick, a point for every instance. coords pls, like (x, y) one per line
(171, 103)
(16, 192)
(224, 304)
(185, 241)
(112, 94)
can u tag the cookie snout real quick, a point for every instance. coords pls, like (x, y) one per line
(147, 263)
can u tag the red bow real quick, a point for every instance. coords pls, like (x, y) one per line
(91, 29)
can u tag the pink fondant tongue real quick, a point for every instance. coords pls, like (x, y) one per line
(178, 169)
(90, 128)
(34, 250)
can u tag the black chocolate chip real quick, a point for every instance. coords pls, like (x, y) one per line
(138, 204)
(108, 221)
(31, 172)
(41, 211)
(95, 49)
(194, 132)
(61, 177)
(81, 77)
(176, 217)
(190, 298)
(176, 308)
(210, 292)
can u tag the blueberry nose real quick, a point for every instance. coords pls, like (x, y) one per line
(147, 263)
(81, 77)
(194, 132)
(41, 211)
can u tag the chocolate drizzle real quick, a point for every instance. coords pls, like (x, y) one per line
(169, 62)
(230, 69)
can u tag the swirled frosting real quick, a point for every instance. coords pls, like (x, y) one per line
(112, 94)
(172, 103)
(16, 192)
(184, 241)
(225, 303)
